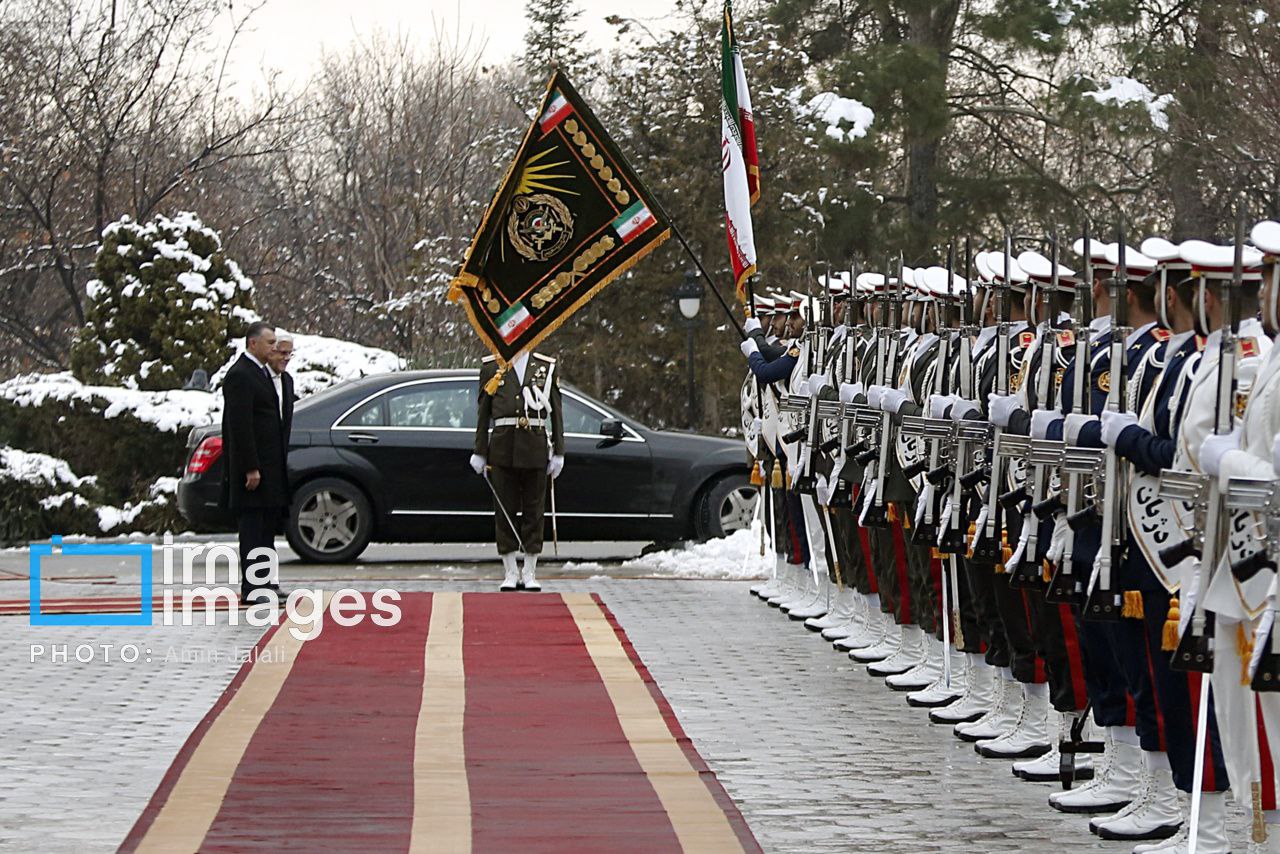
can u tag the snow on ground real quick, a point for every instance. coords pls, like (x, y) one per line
(1126, 90)
(320, 362)
(731, 558)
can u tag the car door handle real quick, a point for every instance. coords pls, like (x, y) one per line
(363, 438)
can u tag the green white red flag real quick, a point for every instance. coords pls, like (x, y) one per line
(739, 160)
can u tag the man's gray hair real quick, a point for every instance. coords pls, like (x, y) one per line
(283, 337)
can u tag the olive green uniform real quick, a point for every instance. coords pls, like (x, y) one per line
(517, 435)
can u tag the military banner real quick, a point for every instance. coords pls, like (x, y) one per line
(569, 218)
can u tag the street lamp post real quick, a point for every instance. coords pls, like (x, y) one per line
(688, 297)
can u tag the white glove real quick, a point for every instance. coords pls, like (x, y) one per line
(1113, 424)
(961, 407)
(922, 503)
(1075, 422)
(938, 405)
(1041, 420)
(944, 519)
(555, 465)
(1002, 407)
(802, 388)
(1058, 540)
(1275, 455)
(748, 347)
(1021, 548)
(891, 400)
(817, 382)
(1214, 448)
(848, 391)
(979, 528)
(873, 396)
(752, 325)
(478, 463)
(823, 490)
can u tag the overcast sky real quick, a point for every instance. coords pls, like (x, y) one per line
(290, 35)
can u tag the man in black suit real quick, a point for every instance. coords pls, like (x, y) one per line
(254, 485)
(282, 381)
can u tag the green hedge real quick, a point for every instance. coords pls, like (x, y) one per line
(125, 453)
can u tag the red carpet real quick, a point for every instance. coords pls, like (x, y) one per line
(484, 722)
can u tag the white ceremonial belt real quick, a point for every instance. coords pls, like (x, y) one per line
(522, 422)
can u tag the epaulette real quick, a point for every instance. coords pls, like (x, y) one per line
(546, 359)
(1025, 338)
(489, 358)
(1161, 334)
(1248, 347)
(1066, 338)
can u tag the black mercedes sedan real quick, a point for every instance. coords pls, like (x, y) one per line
(385, 458)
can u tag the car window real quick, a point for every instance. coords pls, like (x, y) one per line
(369, 415)
(580, 418)
(432, 405)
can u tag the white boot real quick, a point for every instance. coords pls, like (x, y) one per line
(1211, 835)
(867, 631)
(773, 586)
(1048, 768)
(511, 576)
(890, 640)
(910, 652)
(939, 693)
(528, 575)
(789, 586)
(821, 604)
(1114, 783)
(979, 693)
(926, 671)
(805, 591)
(841, 612)
(1030, 734)
(853, 617)
(1000, 718)
(1154, 814)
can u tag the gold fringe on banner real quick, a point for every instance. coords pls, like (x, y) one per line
(1169, 637)
(1046, 571)
(491, 387)
(757, 477)
(1133, 605)
(777, 475)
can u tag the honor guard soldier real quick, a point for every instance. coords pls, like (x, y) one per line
(519, 445)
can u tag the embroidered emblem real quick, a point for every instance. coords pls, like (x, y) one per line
(1104, 382)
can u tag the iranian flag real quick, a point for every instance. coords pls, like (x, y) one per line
(513, 321)
(738, 157)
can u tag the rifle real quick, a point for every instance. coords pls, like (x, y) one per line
(1105, 601)
(957, 524)
(877, 515)
(988, 548)
(1078, 464)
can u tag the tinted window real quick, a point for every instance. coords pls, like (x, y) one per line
(369, 415)
(580, 418)
(432, 405)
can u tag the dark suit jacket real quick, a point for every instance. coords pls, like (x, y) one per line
(513, 446)
(253, 437)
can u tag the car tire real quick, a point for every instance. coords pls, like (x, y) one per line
(724, 507)
(330, 521)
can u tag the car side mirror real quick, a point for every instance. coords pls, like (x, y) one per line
(611, 427)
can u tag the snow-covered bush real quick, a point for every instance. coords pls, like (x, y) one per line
(40, 495)
(165, 301)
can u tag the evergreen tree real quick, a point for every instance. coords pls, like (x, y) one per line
(552, 39)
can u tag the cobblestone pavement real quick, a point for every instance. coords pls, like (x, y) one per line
(819, 755)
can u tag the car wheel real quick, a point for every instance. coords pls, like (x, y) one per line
(330, 521)
(729, 505)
